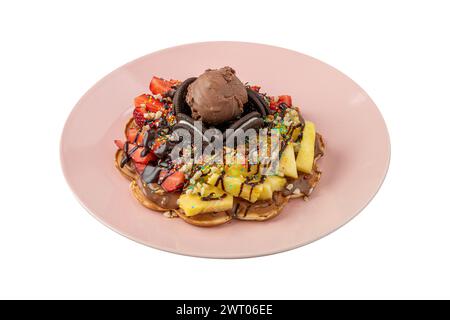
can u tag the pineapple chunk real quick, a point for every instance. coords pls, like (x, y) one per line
(233, 184)
(212, 179)
(192, 204)
(305, 156)
(236, 170)
(276, 183)
(250, 193)
(253, 170)
(267, 192)
(236, 187)
(296, 133)
(270, 185)
(287, 162)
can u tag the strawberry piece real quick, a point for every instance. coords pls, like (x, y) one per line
(138, 115)
(131, 136)
(136, 156)
(141, 100)
(161, 86)
(173, 182)
(272, 104)
(149, 102)
(139, 167)
(255, 88)
(119, 144)
(156, 144)
(286, 99)
(154, 105)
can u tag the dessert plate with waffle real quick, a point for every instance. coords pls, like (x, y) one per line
(225, 149)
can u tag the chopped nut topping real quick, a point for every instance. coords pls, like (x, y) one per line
(169, 214)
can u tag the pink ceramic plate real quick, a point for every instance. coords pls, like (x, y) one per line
(355, 164)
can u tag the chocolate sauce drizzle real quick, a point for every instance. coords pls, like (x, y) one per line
(220, 180)
(126, 157)
(212, 197)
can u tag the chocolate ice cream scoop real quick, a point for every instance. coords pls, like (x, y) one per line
(216, 96)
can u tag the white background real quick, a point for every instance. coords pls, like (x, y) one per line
(53, 51)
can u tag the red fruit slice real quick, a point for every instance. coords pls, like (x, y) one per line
(119, 144)
(131, 136)
(139, 167)
(156, 144)
(161, 86)
(173, 182)
(286, 99)
(154, 105)
(255, 88)
(141, 100)
(272, 105)
(136, 156)
(138, 115)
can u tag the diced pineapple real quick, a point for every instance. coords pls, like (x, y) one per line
(192, 204)
(305, 156)
(296, 133)
(253, 170)
(276, 183)
(218, 205)
(251, 193)
(236, 187)
(266, 193)
(236, 170)
(233, 185)
(287, 162)
(205, 190)
(212, 179)
(270, 185)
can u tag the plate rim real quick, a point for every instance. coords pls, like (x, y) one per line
(219, 256)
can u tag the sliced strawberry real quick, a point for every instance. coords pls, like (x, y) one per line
(286, 99)
(141, 100)
(119, 144)
(161, 86)
(255, 88)
(139, 167)
(138, 115)
(156, 144)
(137, 155)
(173, 182)
(131, 136)
(272, 104)
(154, 105)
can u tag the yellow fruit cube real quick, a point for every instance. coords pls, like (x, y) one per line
(233, 185)
(251, 192)
(236, 170)
(212, 179)
(305, 156)
(276, 183)
(237, 187)
(287, 162)
(296, 133)
(193, 204)
(266, 193)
